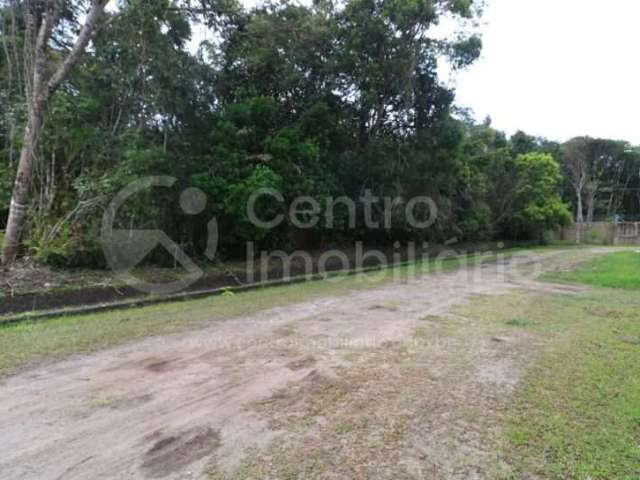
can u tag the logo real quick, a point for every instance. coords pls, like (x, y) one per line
(125, 249)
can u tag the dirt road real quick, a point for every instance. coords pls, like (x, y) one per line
(229, 399)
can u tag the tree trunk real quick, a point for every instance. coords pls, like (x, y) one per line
(21, 198)
(610, 204)
(591, 200)
(44, 84)
(579, 216)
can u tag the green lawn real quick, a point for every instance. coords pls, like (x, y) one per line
(576, 415)
(617, 270)
(576, 412)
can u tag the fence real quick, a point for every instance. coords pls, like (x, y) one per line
(627, 233)
(604, 233)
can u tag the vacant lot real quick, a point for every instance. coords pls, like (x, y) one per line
(479, 372)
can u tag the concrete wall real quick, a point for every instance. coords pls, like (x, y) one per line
(627, 233)
(603, 233)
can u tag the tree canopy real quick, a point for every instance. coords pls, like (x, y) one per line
(326, 99)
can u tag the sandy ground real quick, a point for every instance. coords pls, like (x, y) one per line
(184, 406)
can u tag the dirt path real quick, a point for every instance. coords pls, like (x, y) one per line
(229, 399)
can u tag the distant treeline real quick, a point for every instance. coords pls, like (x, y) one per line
(329, 100)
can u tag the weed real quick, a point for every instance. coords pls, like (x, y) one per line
(519, 322)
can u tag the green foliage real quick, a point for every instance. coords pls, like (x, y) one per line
(604, 173)
(262, 178)
(6, 182)
(69, 247)
(509, 188)
(538, 206)
(309, 99)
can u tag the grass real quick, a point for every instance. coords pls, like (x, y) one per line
(519, 322)
(29, 343)
(617, 270)
(33, 342)
(576, 415)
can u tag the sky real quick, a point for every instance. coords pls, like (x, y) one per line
(558, 68)
(553, 68)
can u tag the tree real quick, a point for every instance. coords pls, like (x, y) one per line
(47, 73)
(595, 166)
(575, 156)
(538, 206)
(359, 82)
(139, 67)
(621, 174)
(608, 160)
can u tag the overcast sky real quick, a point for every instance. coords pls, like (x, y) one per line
(558, 68)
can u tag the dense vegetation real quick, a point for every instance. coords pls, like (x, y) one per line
(326, 100)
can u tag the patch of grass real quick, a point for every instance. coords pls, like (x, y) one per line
(106, 401)
(616, 270)
(529, 312)
(576, 415)
(32, 342)
(29, 343)
(519, 322)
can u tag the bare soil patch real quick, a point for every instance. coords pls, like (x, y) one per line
(173, 453)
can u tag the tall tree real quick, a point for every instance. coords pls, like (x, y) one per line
(575, 157)
(593, 167)
(606, 160)
(47, 72)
